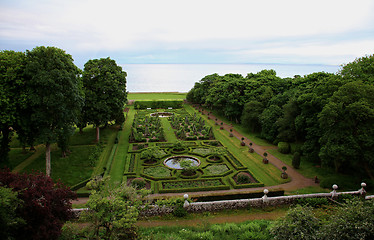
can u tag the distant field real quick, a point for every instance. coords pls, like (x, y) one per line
(156, 96)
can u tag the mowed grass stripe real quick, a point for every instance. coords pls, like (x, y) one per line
(168, 130)
(119, 161)
(267, 174)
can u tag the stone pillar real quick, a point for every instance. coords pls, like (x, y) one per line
(362, 190)
(186, 203)
(333, 193)
(265, 197)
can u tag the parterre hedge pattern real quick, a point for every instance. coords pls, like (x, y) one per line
(210, 175)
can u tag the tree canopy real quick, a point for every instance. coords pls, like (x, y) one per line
(105, 91)
(53, 93)
(329, 114)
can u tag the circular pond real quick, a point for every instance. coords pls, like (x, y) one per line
(161, 114)
(174, 162)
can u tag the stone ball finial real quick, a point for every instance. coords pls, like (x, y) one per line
(334, 186)
(185, 196)
(266, 191)
(363, 184)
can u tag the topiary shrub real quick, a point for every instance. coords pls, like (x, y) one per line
(243, 178)
(138, 183)
(284, 147)
(296, 160)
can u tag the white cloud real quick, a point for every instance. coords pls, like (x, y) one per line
(86, 25)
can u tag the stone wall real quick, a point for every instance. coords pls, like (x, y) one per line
(154, 210)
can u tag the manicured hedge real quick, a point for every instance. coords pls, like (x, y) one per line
(238, 165)
(158, 104)
(222, 186)
(250, 195)
(284, 147)
(248, 185)
(219, 175)
(130, 166)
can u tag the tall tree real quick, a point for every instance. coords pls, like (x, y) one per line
(12, 81)
(105, 91)
(361, 69)
(53, 94)
(347, 122)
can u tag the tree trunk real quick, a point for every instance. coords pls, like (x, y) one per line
(48, 159)
(4, 145)
(97, 133)
(80, 130)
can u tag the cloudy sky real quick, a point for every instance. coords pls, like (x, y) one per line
(194, 31)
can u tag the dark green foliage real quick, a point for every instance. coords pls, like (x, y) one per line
(54, 94)
(105, 91)
(312, 202)
(179, 210)
(138, 183)
(256, 230)
(296, 160)
(175, 104)
(299, 223)
(9, 221)
(12, 95)
(344, 182)
(243, 178)
(284, 147)
(355, 220)
(250, 116)
(329, 115)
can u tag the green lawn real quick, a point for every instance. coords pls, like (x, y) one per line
(168, 130)
(119, 160)
(267, 174)
(71, 170)
(243, 131)
(157, 96)
(17, 156)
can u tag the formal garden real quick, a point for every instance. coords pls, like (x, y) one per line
(196, 161)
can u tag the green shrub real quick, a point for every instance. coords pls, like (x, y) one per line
(343, 182)
(296, 160)
(284, 147)
(179, 211)
(138, 183)
(243, 178)
(313, 202)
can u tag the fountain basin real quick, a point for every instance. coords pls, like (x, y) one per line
(173, 162)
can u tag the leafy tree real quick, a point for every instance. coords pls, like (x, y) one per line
(63, 137)
(268, 118)
(105, 91)
(250, 115)
(362, 69)
(9, 221)
(114, 212)
(12, 82)
(46, 205)
(287, 128)
(347, 122)
(296, 160)
(355, 220)
(53, 94)
(299, 223)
